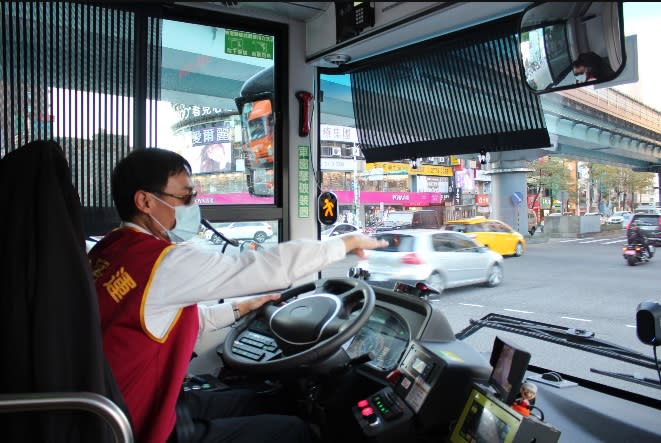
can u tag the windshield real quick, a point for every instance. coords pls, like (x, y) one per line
(567, 268)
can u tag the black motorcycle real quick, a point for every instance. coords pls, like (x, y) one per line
(637, 253)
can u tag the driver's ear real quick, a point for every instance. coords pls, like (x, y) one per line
(143, 201)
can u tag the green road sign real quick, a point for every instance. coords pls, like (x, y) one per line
(248, 44)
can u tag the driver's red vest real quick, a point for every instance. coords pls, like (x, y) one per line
(149, 370)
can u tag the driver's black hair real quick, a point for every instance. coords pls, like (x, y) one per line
(594, 64)
(146, 169)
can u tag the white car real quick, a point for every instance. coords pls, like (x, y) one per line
(338, 229)
(619, 217)
(442, 259)
(259, 231)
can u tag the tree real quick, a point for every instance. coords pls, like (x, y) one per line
(605, 179)
(618, 182)
(551, 174)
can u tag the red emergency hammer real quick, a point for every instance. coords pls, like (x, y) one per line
(304, 99)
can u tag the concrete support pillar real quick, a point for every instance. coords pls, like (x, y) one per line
(508, 177)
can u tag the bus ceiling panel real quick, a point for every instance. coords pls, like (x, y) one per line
(300, 11)
(398, 24)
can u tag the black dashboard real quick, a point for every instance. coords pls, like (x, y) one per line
(418, 378)
(385, 338)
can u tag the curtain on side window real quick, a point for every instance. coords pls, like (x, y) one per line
(458, 94)
(86, 76)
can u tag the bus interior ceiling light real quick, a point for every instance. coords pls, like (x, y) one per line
(337, 59)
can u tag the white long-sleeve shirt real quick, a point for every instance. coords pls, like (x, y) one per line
(188, 275)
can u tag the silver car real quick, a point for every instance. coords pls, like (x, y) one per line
(338, 229)
(619, 217)
(442, 259)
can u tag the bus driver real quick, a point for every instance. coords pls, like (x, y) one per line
(149, 285)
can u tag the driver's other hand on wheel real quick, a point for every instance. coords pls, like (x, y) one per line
(254, 303)
(356, 244)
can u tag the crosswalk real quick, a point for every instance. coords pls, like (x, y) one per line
(590, 240)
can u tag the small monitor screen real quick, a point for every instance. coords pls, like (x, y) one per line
(509, 368)
(485, 421)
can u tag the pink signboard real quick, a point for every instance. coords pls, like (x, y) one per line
(238, 198)
(343, 198)
(391, 198)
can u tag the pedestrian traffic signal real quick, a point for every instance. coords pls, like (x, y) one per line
(327, 205)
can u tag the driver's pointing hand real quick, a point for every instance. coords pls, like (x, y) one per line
(357, 244)
(152, 287)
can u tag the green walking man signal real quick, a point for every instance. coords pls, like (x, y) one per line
(327, 205)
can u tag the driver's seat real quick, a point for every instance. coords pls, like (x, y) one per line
(49, 321)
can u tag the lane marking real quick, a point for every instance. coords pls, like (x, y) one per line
(615, 241)
(592, 241)
(517, 310)
(469, 304)
(630, 326)
(577, 319)
(574, 239)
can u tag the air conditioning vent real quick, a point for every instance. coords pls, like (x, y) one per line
(337, 152)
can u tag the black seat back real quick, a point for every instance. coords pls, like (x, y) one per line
(50, 335)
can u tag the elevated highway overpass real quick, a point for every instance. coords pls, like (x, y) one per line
(604, 126)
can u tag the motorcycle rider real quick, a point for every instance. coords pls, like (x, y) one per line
(636, 237)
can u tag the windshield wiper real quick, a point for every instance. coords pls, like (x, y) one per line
(645, 381)
(571, 337)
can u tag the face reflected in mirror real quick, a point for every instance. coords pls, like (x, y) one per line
(589, 67)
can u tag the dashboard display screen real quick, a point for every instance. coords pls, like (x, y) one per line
(485, 420)
(385, 335)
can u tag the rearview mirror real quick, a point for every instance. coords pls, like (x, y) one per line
(569, 45)
(255, 105)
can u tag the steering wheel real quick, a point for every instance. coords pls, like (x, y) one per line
(309, 328)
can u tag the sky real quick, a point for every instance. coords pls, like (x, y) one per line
(644, 20)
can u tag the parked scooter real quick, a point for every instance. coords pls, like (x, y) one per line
(636, 253)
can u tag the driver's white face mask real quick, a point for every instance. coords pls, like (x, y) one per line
(187, 221)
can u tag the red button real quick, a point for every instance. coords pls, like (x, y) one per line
(367, 411)
(363, 403)
(394, 376)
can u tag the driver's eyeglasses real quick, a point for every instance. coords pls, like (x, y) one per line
(187, 199)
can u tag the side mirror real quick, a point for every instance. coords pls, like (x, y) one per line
(569, 45)
(257, 124)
